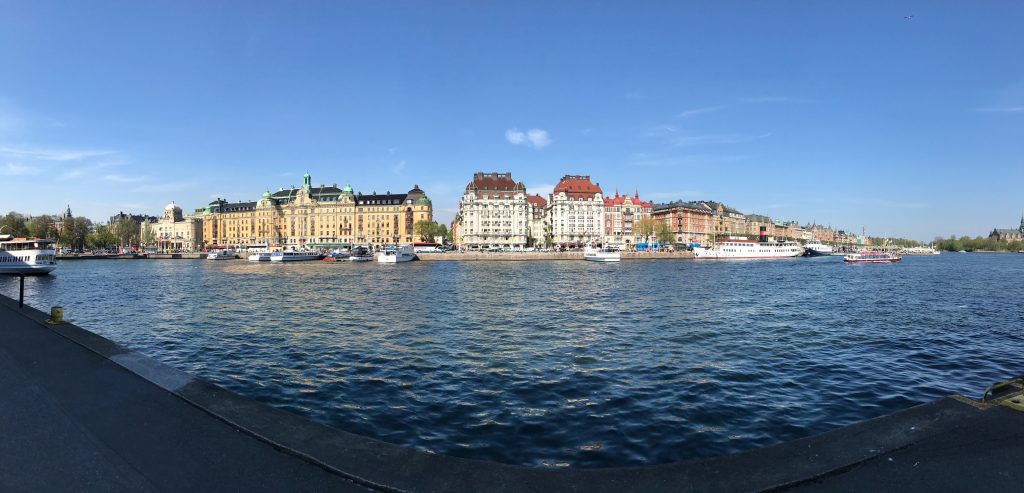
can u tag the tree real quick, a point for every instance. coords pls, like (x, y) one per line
(426, 230)
(663, 232)
(646, 228)
(126, 231)
(75, 230)
(13, 224)
(41, 227)
(101, 237)
(148, 236)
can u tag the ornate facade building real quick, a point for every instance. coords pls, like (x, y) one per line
(540, 227)
(690, 222)
(576, 212)
(176, 232)
(493, 213)
(1009, 234)
(316, 217)
(621, 214)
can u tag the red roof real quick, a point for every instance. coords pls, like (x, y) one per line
(494, 181)
(621, 199)
(577, 186)
(536, 201)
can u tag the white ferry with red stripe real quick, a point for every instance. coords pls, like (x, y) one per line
(872, 257)
(742, 248)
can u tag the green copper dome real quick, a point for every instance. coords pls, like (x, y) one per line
(266, 194)
(347, 189)
(424, 200)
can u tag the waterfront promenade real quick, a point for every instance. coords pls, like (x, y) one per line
(82, 413)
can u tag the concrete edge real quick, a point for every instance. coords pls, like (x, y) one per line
(389, 467)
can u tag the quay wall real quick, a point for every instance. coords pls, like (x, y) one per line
(521, 256)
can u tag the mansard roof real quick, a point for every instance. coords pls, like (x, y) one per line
(536, 201)
(577, 186)
(494, 181)
(621, 200)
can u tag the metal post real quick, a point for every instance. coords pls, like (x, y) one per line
(21, 291)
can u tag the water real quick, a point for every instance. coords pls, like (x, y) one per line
(567, 363)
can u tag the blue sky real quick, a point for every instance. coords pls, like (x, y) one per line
(841, 113)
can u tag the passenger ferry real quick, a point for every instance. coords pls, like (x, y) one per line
(595, 254)
(221, 254)
(740, 247)
(391, 255)
(259, 257)
(27, 256)
(815, 248)
(293, 256)
(872, 257)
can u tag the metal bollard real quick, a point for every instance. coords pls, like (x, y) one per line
(56, 316)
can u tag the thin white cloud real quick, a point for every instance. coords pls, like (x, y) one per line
(53, 154)
(399, 168)
(18, 169)
(700, 111)
(124, 179)
(535, 137)
(695, 140)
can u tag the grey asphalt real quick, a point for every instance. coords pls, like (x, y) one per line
(72, 420)
(80, 413)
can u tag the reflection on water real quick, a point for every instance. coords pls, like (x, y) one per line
(566, 363)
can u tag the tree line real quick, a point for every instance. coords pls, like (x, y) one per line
(77, 233)
(991, 244)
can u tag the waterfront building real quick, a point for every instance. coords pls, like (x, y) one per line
(138, 219)
(689, 222)
(621, 214)
(60, 219)
(493, 213)
(754, 223)
(319, 217)
(576, 212)
(1009, 234)
(539, 226)
(176, 232)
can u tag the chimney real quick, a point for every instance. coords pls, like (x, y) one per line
(762, 234)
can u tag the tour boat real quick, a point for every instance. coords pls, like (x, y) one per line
(27, 256)
(293, 256)
(595, 254)
(221, 254)
(360, 254)
(872, 257)
(816, 248)
(259, 257)
(740, 247)
(391, 255)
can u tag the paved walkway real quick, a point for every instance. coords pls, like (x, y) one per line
(80, 413)
(72, 420)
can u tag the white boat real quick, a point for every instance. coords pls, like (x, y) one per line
(221, 254)
(815, 248)
(919, 251)
(360, 254)
(739, 248)
(872, 257)
(595, 254)
(392, 255)
(293, 256)
(259, 257)
(28, 256)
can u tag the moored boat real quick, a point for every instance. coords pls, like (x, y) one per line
(259, 257)
(293, 256)
(27, 256)
(360, 254)
(221, 254)
(392, 255)
(595, 254)
(815, 248)
(872, 257)
(335, 257)
(742, 248)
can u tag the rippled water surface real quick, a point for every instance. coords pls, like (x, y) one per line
(566, 362)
